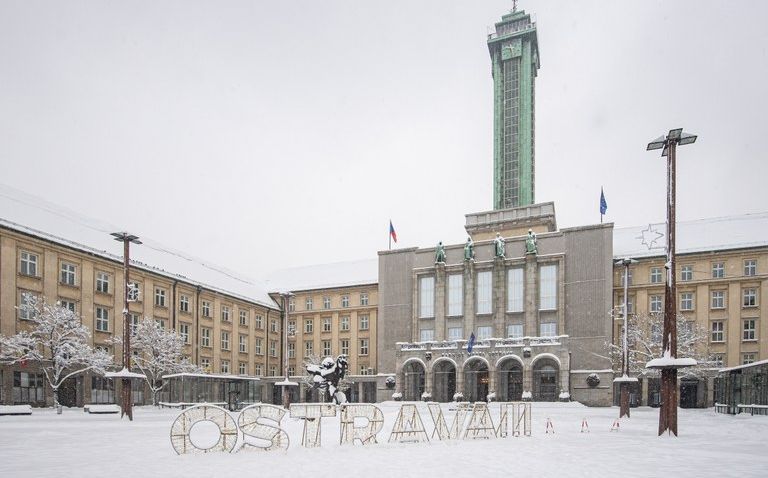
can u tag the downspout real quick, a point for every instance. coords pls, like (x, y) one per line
(197, 327)
(173, 307)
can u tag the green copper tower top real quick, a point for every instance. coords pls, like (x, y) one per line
(514, 50)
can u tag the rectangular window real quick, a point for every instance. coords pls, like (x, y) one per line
(291, 371)
(718, 299)
(26, 310)
(184, 332)
(717, 360)
(205, 364)
(718, 331)
(160, 323)
(291, 350)
(548, 287)
(225, 313)
(257, 370)
(291, 305)
(272, 370)
(273, 326)
(205, 337)
(259, 321)
(345, 301)
(28, 266)
(750, 267)
(515, 290)
(718, 270)
(630, 304)
(257, 348)
(28, 388)
(135, 319)
(242, 369)
(686, 301)
(225, 366)
(69, 305)
(244, 318)
(102, 319)
(484, 292)
(183, 303)
(484, 332)
(455, 295)
(344, 323)
(364, 298)
(364, 322)
(656, 304)
(308, 348)
(308, 326)
(686, 273)
(102, 282)
(363, 346)
(326, 324)
(515, 331)
(548, 329)
(224, 340)
(655, 275)
(426, 335)
(134, 292)
(749, 297)
(308, 303)
(455, 333)
(363, 369)
(206, 308)
(748, 358)
(326, 348)
(291, 328)
(749, 330)
(326, 302)
(159, 297)
(426, 297)
(344, 347)
(243, 344)
(273, 348)
(67, 274)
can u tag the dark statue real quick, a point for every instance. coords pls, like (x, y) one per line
(327, 376)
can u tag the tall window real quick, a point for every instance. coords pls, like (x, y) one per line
(273, 326)
(257, 348)
(364, 298)
(718, 299)
(686, 273)
(455, 295)
(484, 292)
(102, 319)
(630, 304)
(28, 387)
(345, 301)
(750, 267)
(484, 332)
(183, 303)
(134, 291)
(244, 318)
(344, 320)
(326, 347)
(308, 348)
(102, 282)
(749, 330)
(69, 305)
(206, 308)
(748, 358)
(257, 370)
(291, 350)
(749, 297)
(655, 304)
(655, 275)
(515, 290)
(243, 344)
(344, 347)
(718, 331)
(184, 332)
(363, 346)
(548, 329)
(273, 348)
(243, 368)
(28, 265)
(159, 297)
(225, 313)
(426, 335)
(205, 337)
(548, 287)
(426, 297)
(308, 303)
(291, 304)
(455, 333)
(205, 364)
(364, 322)
(224, 340)
(515, 331)
(686, 301)
(308, 326)
(224, 366)
(326, 324)
(326, 302)
(135, 319)
(718, 270)
(67, 274)
(259, 321)
(26, 311)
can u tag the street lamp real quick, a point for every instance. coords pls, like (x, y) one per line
(285, 296)
(669, 363)
(127, 405)
(624, 380)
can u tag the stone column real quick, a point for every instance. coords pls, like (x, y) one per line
(644, 394)
(469, 299)
(531, 296)
(428, 378)
(499, 287)
(440, 301)
(527, 376)
(459, 376)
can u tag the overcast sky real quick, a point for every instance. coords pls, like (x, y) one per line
(261, 135)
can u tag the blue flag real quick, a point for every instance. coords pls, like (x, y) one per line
(603, 204)
(471, 343)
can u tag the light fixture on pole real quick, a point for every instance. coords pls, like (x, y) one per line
(126, 402)
(669, 363)
(625, 379)
(286, 297)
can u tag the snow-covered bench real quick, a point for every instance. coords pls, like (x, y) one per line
(15, 409)
(100, 409)
(183, 405)
(753, 409)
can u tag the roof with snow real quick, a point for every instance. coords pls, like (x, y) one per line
(702, 235)
(325, 276)
(36, 217)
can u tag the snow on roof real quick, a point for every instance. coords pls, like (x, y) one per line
(720, 233)
(210, 375)
(325, 276)
(37, 217)
(124, 373)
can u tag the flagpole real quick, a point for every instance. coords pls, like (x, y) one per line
(389, 233)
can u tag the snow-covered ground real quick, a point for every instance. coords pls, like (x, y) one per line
(83, 445)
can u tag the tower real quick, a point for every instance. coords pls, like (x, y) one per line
(515, 61)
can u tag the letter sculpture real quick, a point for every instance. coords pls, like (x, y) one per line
(408, 426)
(311, 413)
(365, 433)
(192, 416)
(251, 422)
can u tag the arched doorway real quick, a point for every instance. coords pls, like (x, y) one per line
(414, 380)
(475, 380)
(444, 381)
(546, 375)
(510, 388)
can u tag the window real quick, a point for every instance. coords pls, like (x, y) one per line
(326, 347)
(26, 311)
(273, 326)
(748, 358)
(363, 346)
(308, 303)
(548, 329)
(548, 287)
(718, 331)
(345, 301)
(655, 275)
(68, 304)
(426, 335)
(515, 290)
(28, 266)
(686, 301)
(291, 305)
(656, 305)
(243, 344)
(205, 337)
(135, 319)
(326, 302)
(749, 330)
(291, 328)
(686, 273)
(326, 324)
(515, 331)
(244, 318)
(291, 350)
(206, 308)
(363, 369)
(308, 347)
(159, 297)
(629, 276)
(484, 292)
(455, 333)
(272, 370)
(225, 366)
(242, 369)
(717, 360)
(344, 346)
(749, 297)
(257, 369)
(160, 323)
(102, 282)
(28, 387)
(184, 332)
(630, 304)
(364, 322)
(484, 332)
(224, 340)
(656, 333)
(257, 348)
(344, 323)
(225, 313)
(259, 321)
(718, 270)
(67, 276)
(205, 364)
(718, 299)
(102, 319)
(364, 298)
(308, 326)
(291, 371)
(426, 297)
(183, 303)
(273, 348)
(455, 295)
(750, 267)
(134, 292)
(102, 390)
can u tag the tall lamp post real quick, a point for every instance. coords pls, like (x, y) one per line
(127, 405)
(669, 363)
(285, 296)
(625, 379)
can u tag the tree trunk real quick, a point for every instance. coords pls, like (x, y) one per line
(56, 403)
(154, 397)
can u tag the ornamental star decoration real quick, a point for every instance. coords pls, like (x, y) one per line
(650, 236)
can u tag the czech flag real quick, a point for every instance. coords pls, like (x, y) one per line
(392, 232)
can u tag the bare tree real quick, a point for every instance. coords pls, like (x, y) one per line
(57, 342)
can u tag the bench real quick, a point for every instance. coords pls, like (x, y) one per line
(15, 410)
(101, 408)
(183, 405)
(753, 409)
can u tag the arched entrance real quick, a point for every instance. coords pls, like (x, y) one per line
(444, 381)
(546, 375)
(413, 385)
(475, 380)
(510, 373)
